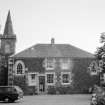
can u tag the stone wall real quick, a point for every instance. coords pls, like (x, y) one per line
(81, 80)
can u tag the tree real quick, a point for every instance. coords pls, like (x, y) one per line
(100, 56)
(100, 53)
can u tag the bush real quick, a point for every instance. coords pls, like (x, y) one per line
(65, 90)
(51, 90)
(60, 90)
(31, 90)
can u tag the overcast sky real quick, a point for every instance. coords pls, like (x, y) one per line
(75, 22)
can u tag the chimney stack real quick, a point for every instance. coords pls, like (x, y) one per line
(52, 41)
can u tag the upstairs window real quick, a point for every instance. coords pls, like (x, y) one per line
(50, 64)
(65, 63)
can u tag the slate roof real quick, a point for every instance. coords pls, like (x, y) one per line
(55, 50)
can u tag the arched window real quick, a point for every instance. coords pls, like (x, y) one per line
(19, 68)
(93, 68)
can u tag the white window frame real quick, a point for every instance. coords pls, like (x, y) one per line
(30, 81)
(95, 68)
(53, 78)
(63, 65)
(23, 67)
(46, 64)
(69, 73)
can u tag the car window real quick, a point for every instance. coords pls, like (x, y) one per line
(5, 89)
(18, 89)
(10, 89)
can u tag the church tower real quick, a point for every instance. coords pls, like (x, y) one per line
(7, 48)
(8, 39)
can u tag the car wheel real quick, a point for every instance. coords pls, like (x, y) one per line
(6, 99)
(11, 100)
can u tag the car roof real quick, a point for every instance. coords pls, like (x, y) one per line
(8, 86)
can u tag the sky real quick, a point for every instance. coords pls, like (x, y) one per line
(76, 22)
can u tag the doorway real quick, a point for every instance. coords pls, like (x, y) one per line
(41, 84)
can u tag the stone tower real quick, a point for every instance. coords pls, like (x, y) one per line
(8, 39)
(7, 48)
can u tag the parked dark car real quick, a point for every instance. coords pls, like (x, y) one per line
(10, 93)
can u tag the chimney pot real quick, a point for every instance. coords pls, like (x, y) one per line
(52, 41)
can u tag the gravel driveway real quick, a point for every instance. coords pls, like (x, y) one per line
(53, 100)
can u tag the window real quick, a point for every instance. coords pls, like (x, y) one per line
(65, 63)
(65, 77)
(50, 78)
(32, 76)
(50, 64)
(19, 68)
(93, 68)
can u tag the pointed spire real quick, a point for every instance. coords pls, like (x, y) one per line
(8, 30)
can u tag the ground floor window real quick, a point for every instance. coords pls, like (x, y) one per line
(65, 78)
(50, 78)
(32, 79)
(33, 76)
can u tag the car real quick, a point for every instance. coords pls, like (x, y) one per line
(10, 93)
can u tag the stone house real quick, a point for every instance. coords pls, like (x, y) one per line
(46, 68)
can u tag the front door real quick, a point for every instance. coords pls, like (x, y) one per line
(41, 84)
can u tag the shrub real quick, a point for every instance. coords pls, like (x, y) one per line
(65, 90)
(31, 90)
(51, 90)
(60, 90)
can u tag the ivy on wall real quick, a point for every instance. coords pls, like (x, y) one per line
(82, 79)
